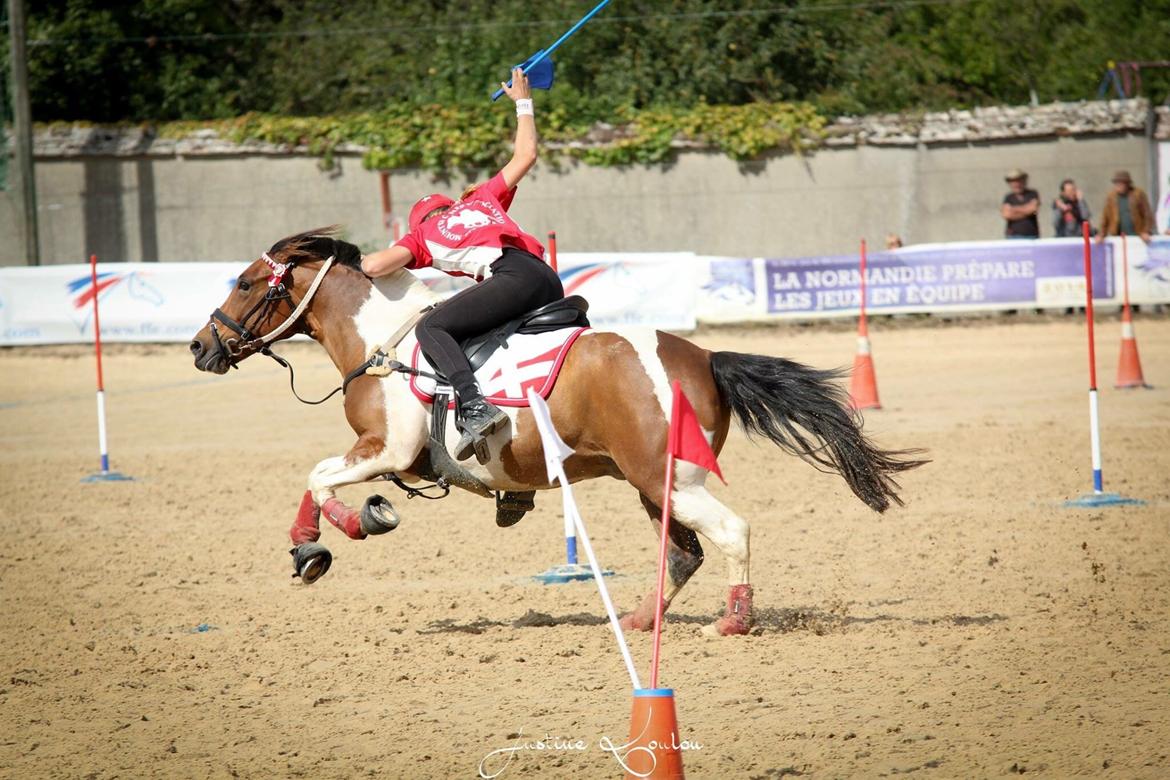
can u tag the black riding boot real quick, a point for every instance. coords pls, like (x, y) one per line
(477, 419)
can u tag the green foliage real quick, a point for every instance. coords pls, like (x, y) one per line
(409, 78)
(443, 137)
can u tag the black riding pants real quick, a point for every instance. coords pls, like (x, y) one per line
(520, 282)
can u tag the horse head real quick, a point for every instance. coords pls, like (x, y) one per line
(270, 298)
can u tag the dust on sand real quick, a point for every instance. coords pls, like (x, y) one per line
(151, 628)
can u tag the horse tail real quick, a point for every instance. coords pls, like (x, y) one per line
(806, 413)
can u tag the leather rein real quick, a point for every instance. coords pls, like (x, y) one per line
(245, 342)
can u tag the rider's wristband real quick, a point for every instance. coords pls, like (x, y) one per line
(524, 107)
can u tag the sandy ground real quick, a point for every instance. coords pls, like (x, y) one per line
(983, 630)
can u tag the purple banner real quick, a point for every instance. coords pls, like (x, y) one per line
(1009, 274)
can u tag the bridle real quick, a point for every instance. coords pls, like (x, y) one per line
(245, 342)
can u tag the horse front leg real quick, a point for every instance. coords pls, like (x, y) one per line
(368, 459)
(386, 443)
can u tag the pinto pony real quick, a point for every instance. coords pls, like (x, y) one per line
(611, 404)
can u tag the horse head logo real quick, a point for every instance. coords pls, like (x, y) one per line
(140, 289)
(1157, 264)
(469, 219)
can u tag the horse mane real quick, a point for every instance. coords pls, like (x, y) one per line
(318, 244)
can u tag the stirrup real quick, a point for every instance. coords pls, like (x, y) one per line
(469, 443)
(512, 506)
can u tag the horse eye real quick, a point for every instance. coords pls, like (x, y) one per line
(245, 285)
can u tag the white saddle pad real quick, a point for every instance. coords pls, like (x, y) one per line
(528, 360)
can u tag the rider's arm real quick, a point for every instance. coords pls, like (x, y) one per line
(385, 261)
(524, 150)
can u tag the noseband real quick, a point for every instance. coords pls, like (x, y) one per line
(245, 341)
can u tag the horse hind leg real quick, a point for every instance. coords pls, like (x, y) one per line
(684, 556)
(698, 509)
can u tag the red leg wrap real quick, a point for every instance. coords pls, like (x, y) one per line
(346, 519)
(738, 618)
(642, 618)
(307, 527)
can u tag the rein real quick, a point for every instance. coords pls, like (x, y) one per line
(381, 363)
(237, 349)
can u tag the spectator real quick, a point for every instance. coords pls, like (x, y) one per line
(1166, 206)
(893, 241)
(1020, 207)
(1069, 211)
(1127, 210)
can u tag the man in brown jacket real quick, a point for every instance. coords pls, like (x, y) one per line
(1127, 210)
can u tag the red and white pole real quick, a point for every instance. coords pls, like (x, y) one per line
(105, 475)
(668, 487)
(1098, 497)
(552, 250)
(103, 447)
(1094, 419)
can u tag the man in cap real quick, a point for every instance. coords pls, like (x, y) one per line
(1020, 207)
(1127, 210)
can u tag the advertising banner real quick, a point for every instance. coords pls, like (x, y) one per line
(140, 302)
(648, 289)
(939, 277)
(170, 302)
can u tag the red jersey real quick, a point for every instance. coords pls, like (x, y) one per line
(471, 235)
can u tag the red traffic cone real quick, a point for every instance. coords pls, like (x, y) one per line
(863, 393)
(654, 749)
(1129, 366)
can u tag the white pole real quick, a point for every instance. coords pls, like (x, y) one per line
(103, 449)
(571, 512)
(1095, 439)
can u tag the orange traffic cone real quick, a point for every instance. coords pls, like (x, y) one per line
(863, 389)
(863, 393)
(654, 749)
(1129, 367)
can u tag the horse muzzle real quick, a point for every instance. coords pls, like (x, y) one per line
(211, 359)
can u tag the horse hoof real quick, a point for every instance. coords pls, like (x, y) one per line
(378, 516)
(634, 622)
(310, 561)
(727, 626)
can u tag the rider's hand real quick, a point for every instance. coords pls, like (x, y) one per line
(519, 89)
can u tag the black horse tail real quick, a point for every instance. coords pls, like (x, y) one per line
(806, 413)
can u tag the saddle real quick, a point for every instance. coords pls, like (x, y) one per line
(511, 505)
(566, 313)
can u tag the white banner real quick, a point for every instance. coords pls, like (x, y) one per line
(934, 278)
(650, 289)
(139, 301)
(1162, 207)
(170, 302)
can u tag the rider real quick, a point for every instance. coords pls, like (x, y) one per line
(475, 237)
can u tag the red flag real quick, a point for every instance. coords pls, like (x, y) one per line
(686, 440)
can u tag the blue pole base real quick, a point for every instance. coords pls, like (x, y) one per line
(1093, 500)
(107, 476)
(568, 572)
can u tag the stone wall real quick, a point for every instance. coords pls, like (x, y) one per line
(127, 195)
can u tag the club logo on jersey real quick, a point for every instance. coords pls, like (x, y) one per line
(456, 224)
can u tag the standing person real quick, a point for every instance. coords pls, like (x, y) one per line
(1127, 210)
(1069, 211)
(1020, 207)
(475, 237)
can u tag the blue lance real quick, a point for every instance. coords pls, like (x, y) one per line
(538, 67)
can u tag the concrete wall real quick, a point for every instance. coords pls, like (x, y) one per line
(232, 207)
